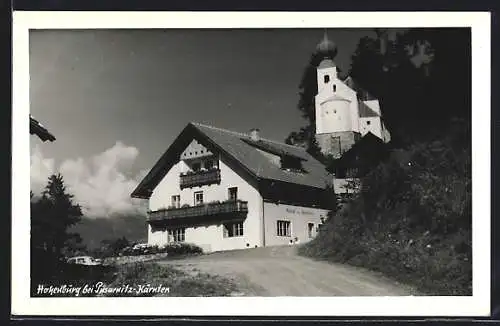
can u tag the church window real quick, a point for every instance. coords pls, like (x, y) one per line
(326, 78)
(334, 88)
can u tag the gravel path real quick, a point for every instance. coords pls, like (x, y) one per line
(279, 271)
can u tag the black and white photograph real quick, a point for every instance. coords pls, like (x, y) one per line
(292, 162)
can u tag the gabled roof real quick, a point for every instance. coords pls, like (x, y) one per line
(239, 149)
(365, 111)
(37, 128)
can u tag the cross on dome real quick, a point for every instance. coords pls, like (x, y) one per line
(326, 48)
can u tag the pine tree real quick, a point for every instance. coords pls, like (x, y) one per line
(51, 217)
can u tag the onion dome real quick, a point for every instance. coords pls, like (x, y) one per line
(327, 48)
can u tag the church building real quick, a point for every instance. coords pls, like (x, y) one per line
(223, 190)
(344, 112)
(346, 115)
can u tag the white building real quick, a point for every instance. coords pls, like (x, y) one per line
(344, 112)
(224, 190)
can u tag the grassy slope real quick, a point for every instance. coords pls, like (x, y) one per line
(412, 221)
(180, 283)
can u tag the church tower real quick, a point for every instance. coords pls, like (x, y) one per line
(337, 111)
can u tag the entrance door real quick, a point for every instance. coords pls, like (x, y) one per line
(310, 230)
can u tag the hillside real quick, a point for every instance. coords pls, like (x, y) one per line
(94, 230)
(412, 218)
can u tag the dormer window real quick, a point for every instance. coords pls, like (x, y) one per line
(291, 163)
(326, 78)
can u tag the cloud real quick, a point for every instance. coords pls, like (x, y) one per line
(101, 184)
(41, 168)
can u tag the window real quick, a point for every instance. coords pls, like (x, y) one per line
(368, 122)
(176, 201)
(233, 230)
(292, 163)
(310, 229)
(283, 228)
(196, 167)
(334, 88)
(198, 198)
(233, 193)
(177, 235)
(209, 164)
(326, 78)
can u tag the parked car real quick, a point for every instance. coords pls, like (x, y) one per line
(140, 246)
(84, 260)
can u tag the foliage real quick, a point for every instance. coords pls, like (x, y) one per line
(412, 218)
(172, 249)
(51, 217)
(421, 83)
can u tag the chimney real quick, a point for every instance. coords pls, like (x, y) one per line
(254, 134)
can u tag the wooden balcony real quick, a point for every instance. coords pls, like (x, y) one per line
(200, 178)
(205, 213)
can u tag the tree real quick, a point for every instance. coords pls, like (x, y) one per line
(51, 217)
(420, 76)
(422, 81)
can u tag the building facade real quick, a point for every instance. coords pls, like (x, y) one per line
(223, 190)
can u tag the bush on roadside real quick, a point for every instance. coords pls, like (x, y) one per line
(411, 220)
(182, 249)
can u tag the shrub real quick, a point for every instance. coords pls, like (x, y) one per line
(182, 248)
(411, 220)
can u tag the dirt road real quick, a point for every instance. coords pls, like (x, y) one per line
(279, 271)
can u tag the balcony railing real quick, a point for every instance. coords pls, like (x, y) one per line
(200, 178)
(236, 208)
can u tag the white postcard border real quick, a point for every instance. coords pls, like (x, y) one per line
(476, 305)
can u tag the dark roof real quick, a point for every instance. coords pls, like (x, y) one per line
(365, 111)
(240, 149)
(366, 152)
(363, 94)
(39, 130)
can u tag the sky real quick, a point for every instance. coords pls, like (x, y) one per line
(116, 99)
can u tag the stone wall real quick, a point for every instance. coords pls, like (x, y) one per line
(336, 143)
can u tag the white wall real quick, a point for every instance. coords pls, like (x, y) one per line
(334, 116)
(374, 105)
(336, 110)
(371, 124)
(339, 185)
(211, 236)
(297, 215)
(331, 71)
